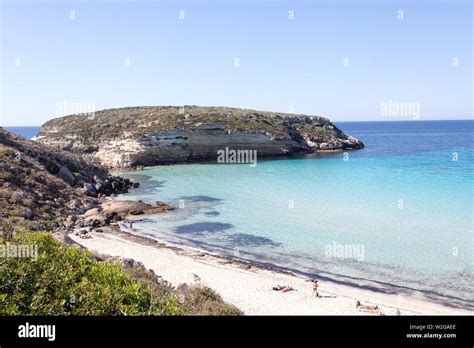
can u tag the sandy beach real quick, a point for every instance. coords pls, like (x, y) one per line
(247, 286)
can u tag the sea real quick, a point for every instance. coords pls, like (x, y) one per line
(395, 217)
(26, 132)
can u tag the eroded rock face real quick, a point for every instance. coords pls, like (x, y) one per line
(41, 186)
(145, 136)
(73, 170)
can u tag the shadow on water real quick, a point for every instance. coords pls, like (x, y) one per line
(201, 228)
(200, 199)
(242, 239)
(188, 206)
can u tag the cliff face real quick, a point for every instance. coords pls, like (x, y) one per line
(40, 186)
(129, 137)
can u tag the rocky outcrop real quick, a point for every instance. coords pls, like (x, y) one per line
(143, 136)
(92, 178)
(41, 186)
(113, 211)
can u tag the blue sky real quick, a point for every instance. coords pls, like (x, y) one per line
(298, 64)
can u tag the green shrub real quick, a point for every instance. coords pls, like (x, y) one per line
(67, 281)
(201, 300)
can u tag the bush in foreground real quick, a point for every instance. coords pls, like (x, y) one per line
(67, 281)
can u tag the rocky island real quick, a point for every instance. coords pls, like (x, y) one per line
(153, 135)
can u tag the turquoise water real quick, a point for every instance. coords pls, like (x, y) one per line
(405, 203)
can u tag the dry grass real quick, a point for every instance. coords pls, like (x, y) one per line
(112, 123)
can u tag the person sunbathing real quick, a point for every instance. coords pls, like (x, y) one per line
(368, 309)
(282, 288)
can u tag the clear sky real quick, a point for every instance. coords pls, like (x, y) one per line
(130, 53)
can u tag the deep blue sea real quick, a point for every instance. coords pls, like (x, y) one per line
(27, 132)
(397, 216)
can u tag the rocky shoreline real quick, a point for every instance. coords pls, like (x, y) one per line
(45, 188)
(109, 212)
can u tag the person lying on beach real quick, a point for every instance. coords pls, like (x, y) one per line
(315, 288)
(282, 288)
(368, 309)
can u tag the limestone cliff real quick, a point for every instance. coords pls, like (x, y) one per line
(153, 135)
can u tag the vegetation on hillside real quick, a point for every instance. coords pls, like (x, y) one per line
(29, 195)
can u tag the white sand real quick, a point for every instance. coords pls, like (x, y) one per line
(251, 289)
